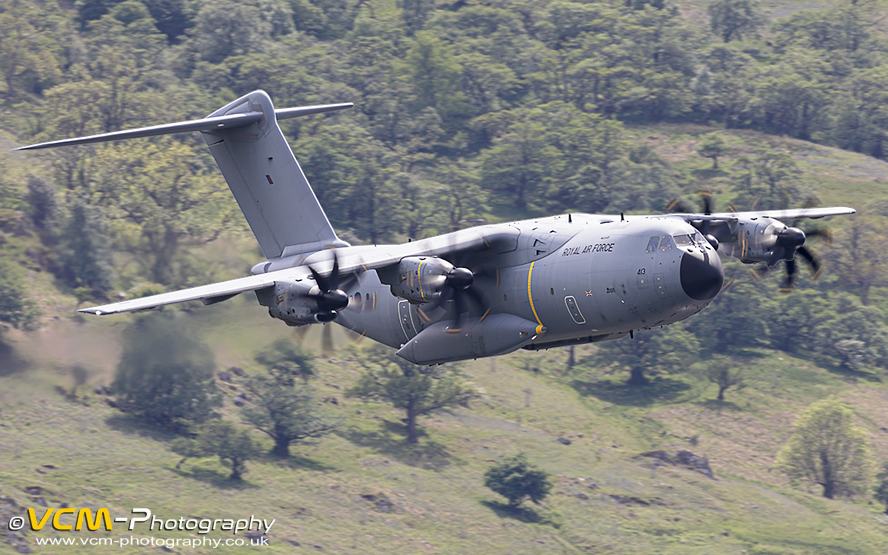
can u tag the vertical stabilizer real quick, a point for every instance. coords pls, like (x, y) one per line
(268, 183)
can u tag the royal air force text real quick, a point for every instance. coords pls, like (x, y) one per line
(598, 247)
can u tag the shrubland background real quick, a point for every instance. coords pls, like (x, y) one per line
(465, 112)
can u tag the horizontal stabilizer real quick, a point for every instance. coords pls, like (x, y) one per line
(286, 113)
(207, 293)
(206, 124)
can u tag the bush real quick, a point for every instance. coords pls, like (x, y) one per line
(517, 480)
(827, 449)
(218, 438)
(165, 375)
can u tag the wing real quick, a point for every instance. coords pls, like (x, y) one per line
(209, 294)
(496, 238)
(350, 259)
(791, 214)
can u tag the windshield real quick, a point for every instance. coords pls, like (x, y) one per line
(683, 241)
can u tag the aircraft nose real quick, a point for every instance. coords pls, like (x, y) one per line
(701, 278)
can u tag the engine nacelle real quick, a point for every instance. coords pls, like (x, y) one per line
(288, 300)
(751, 240)
(418, 279)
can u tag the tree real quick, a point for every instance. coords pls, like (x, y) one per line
(881, 489)
(768, 180)
(712, 146)
(723, 372)
(857, 256)
(669, 349)
(286, 413)
(42, 198)
(224, 28)
(436, 78)
(85, 250)
(734, 19)
(417, 390)
(160, 202)
(16, 308)
(517, 480)
(286, 362)
(827, 449)
(28, 46)
(165, 375)
(218, 438)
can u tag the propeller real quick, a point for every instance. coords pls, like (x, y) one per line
(791, 241)
(330, 298)
(458, 287)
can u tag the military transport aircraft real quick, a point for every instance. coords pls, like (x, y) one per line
(478, 292)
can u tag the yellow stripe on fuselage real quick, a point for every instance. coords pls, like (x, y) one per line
(539, 328)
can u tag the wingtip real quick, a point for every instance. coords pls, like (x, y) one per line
(90, 311)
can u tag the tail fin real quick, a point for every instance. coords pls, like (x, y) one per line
(261, 171)
(268, 183)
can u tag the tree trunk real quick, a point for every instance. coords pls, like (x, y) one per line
(864, 293)
(721, 393)
(636, 377)
(829, 490)
(281, 448)
(411, 421)
(412, 436)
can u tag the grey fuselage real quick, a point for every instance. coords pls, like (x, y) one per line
(580, 279)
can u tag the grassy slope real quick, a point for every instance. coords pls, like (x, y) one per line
(104, 459)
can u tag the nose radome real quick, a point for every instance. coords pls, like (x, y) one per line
(701, 278)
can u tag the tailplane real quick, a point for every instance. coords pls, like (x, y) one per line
(259, 166)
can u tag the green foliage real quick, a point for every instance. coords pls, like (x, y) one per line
(712, 146)
(417, 390)
(85, 254)
(857, 254)
(827, 449)
(286, 413)
(16, 307)
(286, 362)
(725, 373)
(43, 199)
(517, 480)
(29, 47)
(218, 438)
(225, 28)
(734, 19)
(554, 152)
(159, 204)
(671, 349)
(165, 375)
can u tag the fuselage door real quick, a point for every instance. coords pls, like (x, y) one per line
(406, 321)
(571, 303)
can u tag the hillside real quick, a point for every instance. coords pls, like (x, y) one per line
(364, 490)
(588, 106)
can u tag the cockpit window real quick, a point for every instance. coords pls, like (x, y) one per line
(666, 244)
(652, 244)
(700, 240)
(683, 241)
